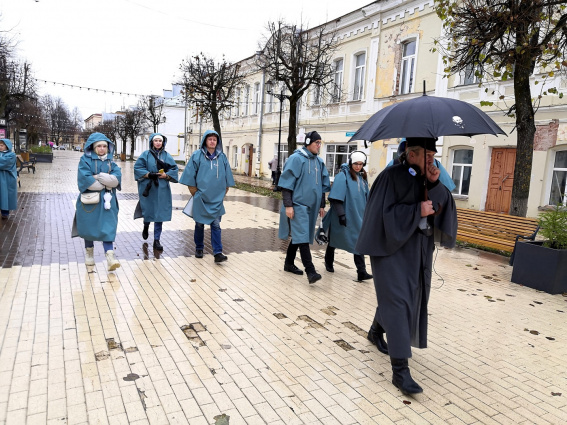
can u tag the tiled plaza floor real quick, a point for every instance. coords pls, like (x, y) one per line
(178, 340)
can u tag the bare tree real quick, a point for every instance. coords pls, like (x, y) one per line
(211, 84)
(499, 40)
(299, 59)
(153, 106)
(57, 117)
(132, 123)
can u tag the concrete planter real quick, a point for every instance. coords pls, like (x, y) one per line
(541, 268)
(43, 157)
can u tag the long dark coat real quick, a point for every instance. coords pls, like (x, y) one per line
(401, 255)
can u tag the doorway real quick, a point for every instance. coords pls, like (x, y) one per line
(501, 180)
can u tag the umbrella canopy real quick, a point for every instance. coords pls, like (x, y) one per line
(427, 116)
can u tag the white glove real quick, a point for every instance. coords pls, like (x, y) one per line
(107, 197)
(96, 187)
(107, 180)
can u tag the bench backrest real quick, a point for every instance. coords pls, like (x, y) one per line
(501, 226)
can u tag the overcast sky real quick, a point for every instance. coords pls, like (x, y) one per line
(136, 46)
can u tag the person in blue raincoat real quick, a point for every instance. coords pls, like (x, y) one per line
(154, 170)
(8, 178)
(304, 182)
(444, 177)
(208, 176)
(98, 221)
(343, 221)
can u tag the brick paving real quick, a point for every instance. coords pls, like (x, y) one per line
(177, 339)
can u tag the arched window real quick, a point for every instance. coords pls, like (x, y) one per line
(461, 172)
(408, 66)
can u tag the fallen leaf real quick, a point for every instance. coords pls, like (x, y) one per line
(407, 402)
(534, 332)
(555, 394)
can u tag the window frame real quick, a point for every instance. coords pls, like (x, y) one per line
(338, 74)
(412, 70)
(459, 187)
(358, 89)
(351, 147)
(256, 109)
(552, 172)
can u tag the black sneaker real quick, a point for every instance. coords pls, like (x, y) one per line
(364, 276)
(313, 277)
(220, 257)
(199, 253)
(145, 232)
(157, 245)
(292, 268)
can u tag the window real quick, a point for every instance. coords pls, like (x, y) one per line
(235, 157)
(237, 100)
(462, 167)
(257, 98)
(470, 77)
(317, 95)
(338, 80)
(408, 65)
(336, 156)
(283, 153)
(559, 179)
(246, 99)
(360, 65)
(270, 101)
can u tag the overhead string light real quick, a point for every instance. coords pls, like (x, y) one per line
(121, 93)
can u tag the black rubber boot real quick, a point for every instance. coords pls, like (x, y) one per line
(376, 337)
(363, 275)
(145, 231)
(157, 245)
(402, 378)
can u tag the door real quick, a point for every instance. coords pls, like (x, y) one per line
(500, 180)
(250, 158)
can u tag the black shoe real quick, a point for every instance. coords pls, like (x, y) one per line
(4, 217)
(292, 268)
(199, 253)
(220, 257)
(364, 276)
(402, 378)
(376, 337)
(313, 277)
(329, 267)
(157, 245)
(145, 232)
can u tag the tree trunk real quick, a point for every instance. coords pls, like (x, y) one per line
(133, 138)
(292, 129)
(216, 123)
(525, 126)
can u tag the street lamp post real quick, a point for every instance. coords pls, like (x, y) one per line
(281, 96)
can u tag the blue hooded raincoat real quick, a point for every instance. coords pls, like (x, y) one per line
(157, 205)
(305, 174)
(211, 177)
(8, 178)
(93, 222)
(354, 195)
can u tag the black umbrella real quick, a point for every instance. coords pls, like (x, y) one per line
(427, 116)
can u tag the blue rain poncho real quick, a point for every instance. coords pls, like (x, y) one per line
(307, 177)
(353, 195)
(157, 205)
(211, 177)
(93, 222)
(8, 178)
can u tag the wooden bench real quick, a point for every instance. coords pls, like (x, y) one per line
(492, 230)
(21, 164)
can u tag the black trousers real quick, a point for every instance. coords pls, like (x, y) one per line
(305, 254)
(358, 259)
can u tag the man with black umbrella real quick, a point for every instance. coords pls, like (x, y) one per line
(407, 209)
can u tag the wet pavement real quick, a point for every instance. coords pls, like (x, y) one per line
(169, 338)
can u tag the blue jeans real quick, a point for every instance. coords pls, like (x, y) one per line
(107, 245)
(158, 225)
(216, 241)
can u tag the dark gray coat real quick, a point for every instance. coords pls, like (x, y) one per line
(401, 255)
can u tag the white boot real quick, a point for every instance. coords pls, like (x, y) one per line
(89, 257)
(113, 263)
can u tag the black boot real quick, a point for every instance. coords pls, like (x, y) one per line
(402, 378)
(145, 231)
(363, 275)
(157, 245)
(376, 337)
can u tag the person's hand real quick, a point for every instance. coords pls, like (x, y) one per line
(162, 175)
(289, 212)
(427, 208)
(433, 173)
(321, 212)
(342, 220)
(153, 176)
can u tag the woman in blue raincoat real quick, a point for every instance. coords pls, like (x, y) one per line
(96, 219)
(208, 176)
(8, 178)
(348, 197)
(154, 170)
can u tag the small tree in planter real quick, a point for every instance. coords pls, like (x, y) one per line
(542, 265)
